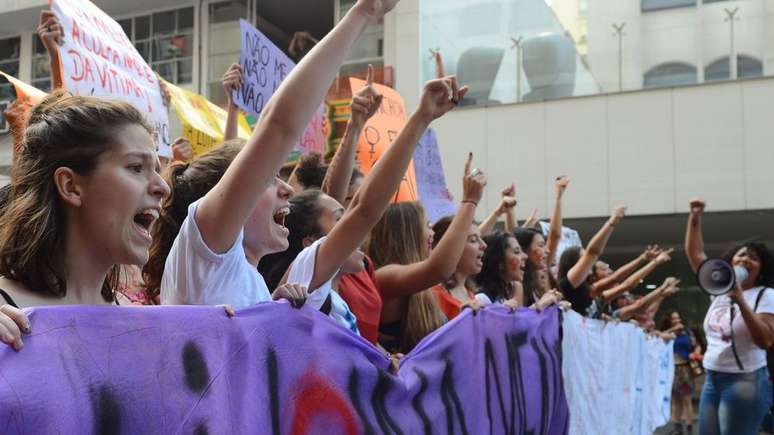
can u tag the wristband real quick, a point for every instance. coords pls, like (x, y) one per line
(475, 204)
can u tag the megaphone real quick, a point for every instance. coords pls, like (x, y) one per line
(717, 277)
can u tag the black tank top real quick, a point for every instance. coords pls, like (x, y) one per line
(11, 302)
(8, 298)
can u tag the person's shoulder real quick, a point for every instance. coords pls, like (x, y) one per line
(19, 294)
(767, 293)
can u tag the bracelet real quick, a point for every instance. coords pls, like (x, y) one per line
(475, 204)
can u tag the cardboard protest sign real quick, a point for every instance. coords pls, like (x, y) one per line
(431, 181)
(99, 59)
(193, 370)
(17, 112)
(204, 123)
(315, 137)
(264, 67)
(379, 133)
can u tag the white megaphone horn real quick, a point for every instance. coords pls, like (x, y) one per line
(717, 277)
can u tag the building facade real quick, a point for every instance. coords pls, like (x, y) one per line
(641, 102)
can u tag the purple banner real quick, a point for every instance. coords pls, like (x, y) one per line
(274, 370)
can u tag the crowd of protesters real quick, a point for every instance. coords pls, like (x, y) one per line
(93, 216)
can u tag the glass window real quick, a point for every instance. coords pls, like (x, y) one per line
(652, 5)
(746, 66)
(164, 23)
(9, 48)
(670, 74)
(142, 27)
(9, 64)
(127, 26)
(370, 45)
(185, 19)
(511, 51)
(41, 67)
(165, 41)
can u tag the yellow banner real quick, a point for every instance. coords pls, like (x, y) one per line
(204, 123)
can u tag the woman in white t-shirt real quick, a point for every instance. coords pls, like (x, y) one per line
(213, 260)
(324, 239)
(739, 327)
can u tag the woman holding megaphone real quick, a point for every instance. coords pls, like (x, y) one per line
(739, 326)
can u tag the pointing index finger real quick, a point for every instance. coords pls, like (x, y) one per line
(370, 75)
(468, 163)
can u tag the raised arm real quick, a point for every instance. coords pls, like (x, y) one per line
(383, 180)
(694, 240)
(224, 210)
(532, 220)
(580, 271)
(507, 203)
(651, 300)
(555, 229)
(632, 281)
(651, 252)
(364, 104)
(51, 35)
(231, 81)
(396, 280)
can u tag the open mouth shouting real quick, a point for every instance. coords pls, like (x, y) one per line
(143, 221)
(280, 215)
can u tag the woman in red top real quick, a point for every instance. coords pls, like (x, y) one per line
(459, 290)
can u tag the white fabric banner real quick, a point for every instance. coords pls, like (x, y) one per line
(617, 379)
(98, 59)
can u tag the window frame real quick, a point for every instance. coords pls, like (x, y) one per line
(174, 62)
(674, 63)
(5, 101)
(645, 9)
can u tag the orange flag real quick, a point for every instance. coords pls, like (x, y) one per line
(16, 113)
(379, 133)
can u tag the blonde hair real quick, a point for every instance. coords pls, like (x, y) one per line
(398, 239)
(62, 131)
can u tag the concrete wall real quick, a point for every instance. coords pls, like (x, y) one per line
(694, 35)
(652, 150)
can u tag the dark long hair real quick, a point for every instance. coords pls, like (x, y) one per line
(490, 280)
(766, 276)
(62, 131)
(187, 182)
(666, 321)
(525, 236)
(569, 258)
(311, 170)
(439, 229)
(302, 222)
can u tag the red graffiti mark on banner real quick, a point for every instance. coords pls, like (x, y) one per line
(317, 397)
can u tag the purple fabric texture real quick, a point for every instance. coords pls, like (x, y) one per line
(274, 369)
